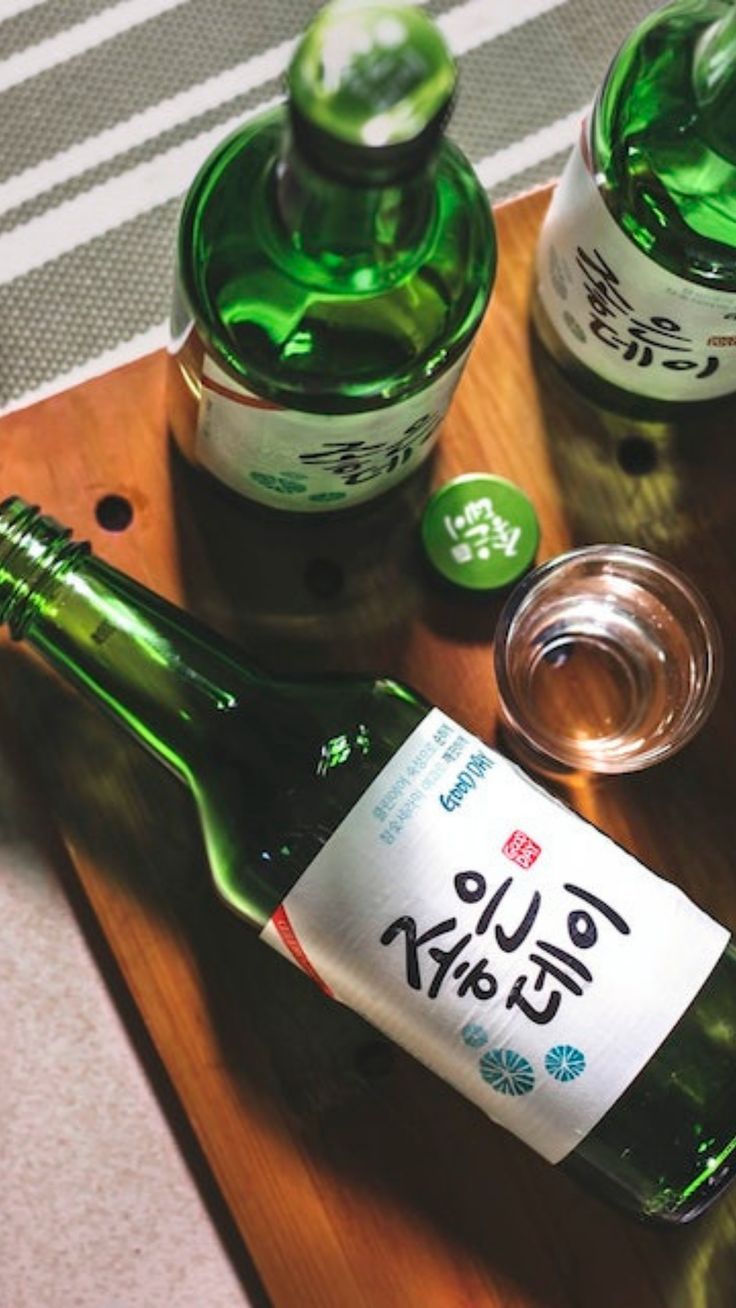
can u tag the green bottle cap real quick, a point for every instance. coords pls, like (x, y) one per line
(370, 84)
(480, 532)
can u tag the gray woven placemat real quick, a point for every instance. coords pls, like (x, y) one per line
(107, 112)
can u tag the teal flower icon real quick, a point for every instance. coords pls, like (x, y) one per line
(507, 1072)
(474, 1035)
(565, 1062)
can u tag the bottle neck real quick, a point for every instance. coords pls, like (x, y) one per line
(141, 659)
(367, 236)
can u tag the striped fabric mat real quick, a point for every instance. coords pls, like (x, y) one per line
(108, 110)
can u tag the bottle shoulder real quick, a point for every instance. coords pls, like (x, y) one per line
(364, 300)
(293, 759)
(654, 154)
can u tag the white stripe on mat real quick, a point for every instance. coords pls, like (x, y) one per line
(466, 27)
(57, 49)
(477, 21)
(107, 206)
(9, 8)
(144, 126)
(530, 150)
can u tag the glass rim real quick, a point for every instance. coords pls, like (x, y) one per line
(649, 565)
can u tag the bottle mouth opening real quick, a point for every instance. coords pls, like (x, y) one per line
(34, 551)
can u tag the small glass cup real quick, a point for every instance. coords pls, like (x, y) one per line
(607, 660)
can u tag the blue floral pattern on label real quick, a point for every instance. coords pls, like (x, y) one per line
(565, 1062)
(474, 1036)
(507, 1072)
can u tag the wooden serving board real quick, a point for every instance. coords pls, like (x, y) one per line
(355, 1178)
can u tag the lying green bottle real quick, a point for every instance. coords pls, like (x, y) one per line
(336, 255)
(419, 877)
(636, 266)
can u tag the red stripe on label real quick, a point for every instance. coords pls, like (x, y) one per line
(239, 397)
(289, 937)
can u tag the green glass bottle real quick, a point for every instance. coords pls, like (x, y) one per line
(421, 878)
(336, 256)
(636, 267)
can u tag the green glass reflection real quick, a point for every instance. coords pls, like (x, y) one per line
(664, 139)
(326, 296)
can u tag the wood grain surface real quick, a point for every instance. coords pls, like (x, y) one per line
(355, 1177)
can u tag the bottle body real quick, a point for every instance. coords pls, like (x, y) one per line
(429, 939)
(320, 330)
(635, 291)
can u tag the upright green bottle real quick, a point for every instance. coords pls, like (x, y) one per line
(636, 267)
(336, 256)
(419, 877)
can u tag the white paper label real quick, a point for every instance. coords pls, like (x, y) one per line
(506, 943)
(310, 462)
(631, 321)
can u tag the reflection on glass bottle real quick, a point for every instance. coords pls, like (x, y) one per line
(336, 255)
(412, 872)
(636, 265)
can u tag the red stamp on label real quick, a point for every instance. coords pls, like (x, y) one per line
(521, 849)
